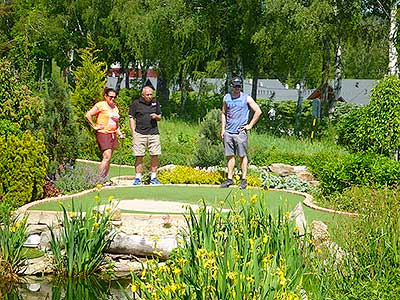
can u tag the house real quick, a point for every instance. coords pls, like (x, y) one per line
(266, 88)
(355, 91)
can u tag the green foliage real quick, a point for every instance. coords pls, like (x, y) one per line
(196, 105)
(189, 175)
(79, 248)
(8, 127)
(373, 243)
(338, 172)
(23, 165)
(78, 178)
(210, 150)
(60, 130)
(12, 238)
(269, 180)
(17, 103)
(375, 128)
(245, 254)
(89, 83)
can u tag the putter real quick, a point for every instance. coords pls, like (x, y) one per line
(122, 138)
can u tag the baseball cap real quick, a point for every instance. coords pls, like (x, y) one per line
(236, 82)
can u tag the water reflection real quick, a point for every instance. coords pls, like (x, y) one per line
(66, 289)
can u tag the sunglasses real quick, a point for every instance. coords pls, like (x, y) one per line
(112, 97)
(237, 86)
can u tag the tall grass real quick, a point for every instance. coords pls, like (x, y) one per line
(245, 254)
(372, 241)
(12, 238)
(78, 250)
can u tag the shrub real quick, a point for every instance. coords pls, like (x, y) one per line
(376, 127)
(17, 102)
(337, 172)
(196, 106)
(60, 131)
(89, 83)
(269, 180)
(78, 178)
(210, 150)
(189, 175)
(23, 166)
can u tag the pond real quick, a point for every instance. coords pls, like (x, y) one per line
(50, 288)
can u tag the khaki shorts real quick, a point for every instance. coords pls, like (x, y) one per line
(141, 142)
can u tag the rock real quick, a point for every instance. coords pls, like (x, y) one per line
(142, 246)
(36, 228)
(305, 176)
(319, 232)
(39, 266)
(298, 215)
(32, 241)
(281, 169)
(167, 168)
(33, 287)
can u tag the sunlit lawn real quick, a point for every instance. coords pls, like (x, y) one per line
(189, 194)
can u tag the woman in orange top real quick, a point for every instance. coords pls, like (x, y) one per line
(107, 127)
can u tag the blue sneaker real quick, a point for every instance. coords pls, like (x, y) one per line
(154, 181)
(137, 181)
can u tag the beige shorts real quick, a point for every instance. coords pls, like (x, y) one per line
(141, 142)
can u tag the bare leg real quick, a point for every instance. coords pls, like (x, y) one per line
(231, 166)
(139, 164)
(104, 166)
(243, 166)
(154, 163)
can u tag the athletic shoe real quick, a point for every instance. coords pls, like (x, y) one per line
(227, 183)
(243, 184)
(154, 181)
(137, 181)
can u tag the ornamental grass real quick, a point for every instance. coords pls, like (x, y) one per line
(245, 254)
(78, 249)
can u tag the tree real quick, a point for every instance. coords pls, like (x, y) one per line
(89, 83)
(60, 130)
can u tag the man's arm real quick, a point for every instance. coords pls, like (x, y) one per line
(132, 125)
(223, 119)
(257, 112)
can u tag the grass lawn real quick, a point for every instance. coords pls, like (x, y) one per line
(212, 195)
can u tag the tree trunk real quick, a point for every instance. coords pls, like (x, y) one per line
(299, 108)
(393, 68)
(254, 83)
(162, 86)
(228, 70)
(337, 84)
(326, 59)
(127, 86)
(183, 88)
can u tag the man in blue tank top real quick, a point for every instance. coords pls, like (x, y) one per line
(235, 124)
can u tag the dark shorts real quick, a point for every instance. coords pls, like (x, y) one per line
(107, 141)
(236, 144)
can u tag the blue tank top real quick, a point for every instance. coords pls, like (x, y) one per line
(237, 112)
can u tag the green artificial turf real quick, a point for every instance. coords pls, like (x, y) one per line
(189, 194)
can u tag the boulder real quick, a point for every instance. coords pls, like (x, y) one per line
(297, 214)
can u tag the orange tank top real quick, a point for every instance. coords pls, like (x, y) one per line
(108, 117)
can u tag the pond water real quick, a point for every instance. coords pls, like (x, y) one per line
(48, 288)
